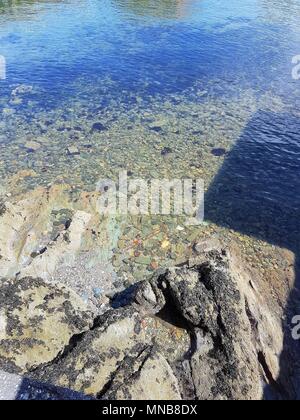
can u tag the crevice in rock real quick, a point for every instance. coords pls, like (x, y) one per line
(272, 382)
(127, 359)
(252, 321)
(38, 253)
(68, 349)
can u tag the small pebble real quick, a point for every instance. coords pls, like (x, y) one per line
(32, 146)
(98, 127)
(73, 151)
(218, 152)
(166, 151)
(97, 292)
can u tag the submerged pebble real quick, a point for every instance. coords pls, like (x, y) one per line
(73, 151)
(97, 292)
(98, 127)
(32, 146)
(166, 151)
(218, 152)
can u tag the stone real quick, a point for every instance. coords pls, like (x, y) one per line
(73, 151)
(143, 260)
(148, 377)
(165, 244)
(166, 151)
(207, 245)
(199, 331)
(98, 127)
(37, 321)
(32, 146)
(218, 152)
(96, 357)
(97, 292)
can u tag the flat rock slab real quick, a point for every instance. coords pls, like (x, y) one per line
(37, 321)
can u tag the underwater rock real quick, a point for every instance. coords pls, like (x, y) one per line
(32, 146)
(16, 101)
(2, 207)
(73, 151)
(98, 127)
(156, 129)
(22, 90)
(157, 125)
(218, 152)
(166, 151)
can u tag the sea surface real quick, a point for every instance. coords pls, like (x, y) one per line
(169, 89)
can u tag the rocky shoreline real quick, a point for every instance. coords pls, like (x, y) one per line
(75, 315)
(200, 330)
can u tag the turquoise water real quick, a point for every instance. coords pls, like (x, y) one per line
(190, 76)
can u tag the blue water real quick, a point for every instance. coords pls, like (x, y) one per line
(113, 54)
(169, 44)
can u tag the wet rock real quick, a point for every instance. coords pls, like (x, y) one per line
(166, 151)
(73, 151)
(218, 152)
(98, 127)
(32, 146)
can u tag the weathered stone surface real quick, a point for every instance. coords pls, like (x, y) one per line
(224, 362)
(148, 377)
(47, 234)
(197, 331)
(149, 297)
(90, 365)
(37, 321)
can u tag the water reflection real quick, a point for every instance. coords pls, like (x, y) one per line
(167, 9)
(14, 6)
(27, 10)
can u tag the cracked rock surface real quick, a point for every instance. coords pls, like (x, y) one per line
(196, 331)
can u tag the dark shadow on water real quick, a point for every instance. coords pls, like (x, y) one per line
(257, 193)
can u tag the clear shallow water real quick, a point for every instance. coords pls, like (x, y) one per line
(189, 75)
(147, 47)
